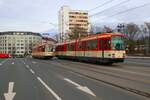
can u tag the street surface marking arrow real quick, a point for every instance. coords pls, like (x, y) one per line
(27, 66)
(82, 88)
(32, 71)
(10, 95)
(3, 62)
(49, 89)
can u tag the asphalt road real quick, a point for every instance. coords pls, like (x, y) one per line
(138, 61)
(34, 79)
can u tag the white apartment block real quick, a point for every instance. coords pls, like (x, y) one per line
(69, 19)
(18, 43)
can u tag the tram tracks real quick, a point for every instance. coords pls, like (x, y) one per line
(133, 90)
(109, 72)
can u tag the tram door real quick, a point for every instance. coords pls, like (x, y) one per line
(83, 47)
(104, 46)
(101, 48)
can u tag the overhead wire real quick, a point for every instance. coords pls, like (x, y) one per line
(127, 10)
(123, 2)
(105, 3)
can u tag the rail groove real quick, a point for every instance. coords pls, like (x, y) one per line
(138, 92)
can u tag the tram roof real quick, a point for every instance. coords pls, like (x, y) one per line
(91, 37)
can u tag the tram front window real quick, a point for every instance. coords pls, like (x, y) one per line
(118, 43)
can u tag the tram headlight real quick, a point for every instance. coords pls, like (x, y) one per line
(124, 55)
(113, 55)
(109, 54)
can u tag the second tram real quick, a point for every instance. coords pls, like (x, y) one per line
(44, 51)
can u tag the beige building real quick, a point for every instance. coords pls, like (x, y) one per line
(70, 19)
(48, 40)
(18, 43)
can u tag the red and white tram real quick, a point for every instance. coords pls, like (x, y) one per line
(44, 51)
(103, 48)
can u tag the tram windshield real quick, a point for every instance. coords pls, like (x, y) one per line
(118, 43)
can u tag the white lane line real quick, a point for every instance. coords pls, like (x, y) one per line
(10, 95)
(82, 88)
(32, 71)
(27, 66)
(49, 89)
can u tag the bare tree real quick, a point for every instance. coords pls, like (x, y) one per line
(77, 32)
(92, 28)
(108, 29)
(95, 29)
(132, 33)
(148, 40)
(56, 37)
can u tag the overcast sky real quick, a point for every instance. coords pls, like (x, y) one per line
(36, 15)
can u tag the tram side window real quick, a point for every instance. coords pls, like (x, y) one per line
(105, 44)
(101, 45)
(91, 45)
(60, 48)
(68, 47)
(118, 43)
(108, 44)
(79, 46)
(57, 48)
(72, 46)
(42, 48)
(83, 45)
(48, 48)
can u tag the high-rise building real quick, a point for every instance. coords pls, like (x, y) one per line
(70, 19)
(18, 43)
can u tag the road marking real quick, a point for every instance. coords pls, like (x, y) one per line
(140, 63)
(10, 95)
(34, 62)
(2, 62)
(32, 71)
(82, 88)
(27, 66)
(24, 62)
(129, 71)
(13, 63)
(49, 89)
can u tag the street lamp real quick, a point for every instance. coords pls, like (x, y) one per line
(121, 28)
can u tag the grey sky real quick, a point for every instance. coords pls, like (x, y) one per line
(36, 15)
